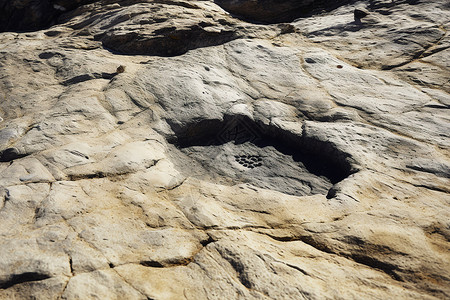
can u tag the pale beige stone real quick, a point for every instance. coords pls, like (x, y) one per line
(228, 159)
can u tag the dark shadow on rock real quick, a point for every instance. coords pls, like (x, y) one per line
(320, 158)
(171, 42)
(10, 154)
(22, 278)
(86, 77)
(278, 11)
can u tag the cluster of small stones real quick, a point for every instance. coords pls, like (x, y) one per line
(249, 161)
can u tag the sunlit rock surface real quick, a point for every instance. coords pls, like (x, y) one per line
(178, 149)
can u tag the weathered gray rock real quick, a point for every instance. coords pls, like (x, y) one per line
(169, 150)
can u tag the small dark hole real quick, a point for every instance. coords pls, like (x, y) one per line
(152, 263)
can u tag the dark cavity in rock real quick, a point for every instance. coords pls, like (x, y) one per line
(239, 150)
(173, 43)
(277, 11)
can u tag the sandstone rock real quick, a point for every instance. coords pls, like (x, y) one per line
(154, 28)
(360, 13)
(176, 150)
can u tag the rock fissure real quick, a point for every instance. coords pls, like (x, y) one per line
(238, 267)
(71, 265)
(130, 284)
(64, 289)
(420, 54)
(431, 187)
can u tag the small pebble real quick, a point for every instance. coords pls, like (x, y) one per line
(120, 69)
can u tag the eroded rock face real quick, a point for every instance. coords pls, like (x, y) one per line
(170, 150)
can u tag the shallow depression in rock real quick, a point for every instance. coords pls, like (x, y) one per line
(240, 150)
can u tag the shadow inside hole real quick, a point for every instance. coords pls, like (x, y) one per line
(319, 158)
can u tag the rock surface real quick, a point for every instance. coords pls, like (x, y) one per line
(172, 149)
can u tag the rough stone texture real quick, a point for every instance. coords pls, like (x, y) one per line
(171, 150)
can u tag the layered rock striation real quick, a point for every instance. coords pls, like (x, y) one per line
(175, 149)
